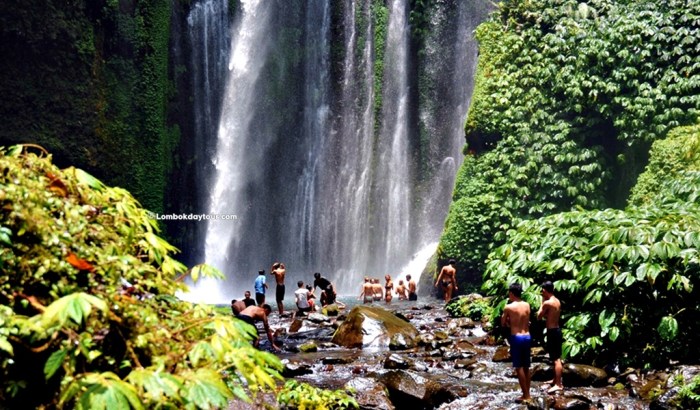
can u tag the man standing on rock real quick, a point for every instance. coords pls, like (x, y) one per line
(448, 279)
(279, 271)
(516, 316)
(412, 295)
(550, 311)
(327, 290)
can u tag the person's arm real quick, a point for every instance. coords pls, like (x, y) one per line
(439, 276)
(505, 318)
(454, 279)
(543, 310)
(269, 334)
(361, 293)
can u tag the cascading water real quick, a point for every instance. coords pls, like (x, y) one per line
(318, 173)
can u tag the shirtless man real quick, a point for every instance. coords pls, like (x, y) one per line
(279, 271)
(237, 306)
(447, 276)
(412, 295)
(367, 291)
(550, 311)
(401, 290)
(378, 290)
(516, 316)
(253, 314)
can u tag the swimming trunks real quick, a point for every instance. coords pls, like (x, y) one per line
(446, 283)
(260, 298)
(279, 293)
(554, 342)
(520, 350)
(412, 296)
(249, 320)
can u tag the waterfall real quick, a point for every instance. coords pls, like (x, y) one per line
(318, 174)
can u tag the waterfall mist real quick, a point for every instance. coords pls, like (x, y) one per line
(331, 162)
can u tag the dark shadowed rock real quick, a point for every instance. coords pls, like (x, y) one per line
(371, 326)
(399, 341)
(318, 318)
(394, 361)
(370, 394)
(502, 354)
(293, 369)
(409, 390)
(296, 325)
(583, 375)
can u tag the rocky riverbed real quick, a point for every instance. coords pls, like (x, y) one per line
(410, 355)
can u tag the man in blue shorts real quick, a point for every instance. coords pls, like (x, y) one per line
(516, 316)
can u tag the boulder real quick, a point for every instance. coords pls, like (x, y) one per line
(399, 341)
(370, 394)
(583, 375)
(371, 326)
(318, 318)
(502, 354)
(293, 369)
(395, 361)
(409, 390)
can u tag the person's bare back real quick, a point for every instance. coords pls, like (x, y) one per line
(550, 311)
(279, 273)
(516, 315)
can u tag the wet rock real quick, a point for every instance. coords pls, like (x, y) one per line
(293, 369)
(394, 361)
(371, 326)
(466, 347)
(464, 363)
(449, 355)
(462, 322)
(425, 339)
(409, 390)
(576, 402)
(440, 335)
(370, 394)
(318, 318)
(339, 359)
(502, 354)
(309, 347)
(400, 341)
(583, 375)
(684, 373)
(401, 316)
(667, 401)
(296, 325)
(477, 370)
(650, 389)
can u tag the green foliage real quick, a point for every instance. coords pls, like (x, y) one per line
(89, 81)
(71, 336)
(628, 278)
(380, 20)
(689, 394)
(680, 151)
(475, 309)
(562, 88)
(301, 396)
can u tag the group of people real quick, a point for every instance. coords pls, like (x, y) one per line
(373, 291)
(257, 310)
(516, 316)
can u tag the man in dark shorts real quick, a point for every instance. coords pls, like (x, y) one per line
(516, 316)
(412, 295)
(448, 279)
(279, 270)
(260, 288)
(327, 291)
(550, 311)
(253, 314)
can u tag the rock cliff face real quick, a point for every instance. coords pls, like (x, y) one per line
(368, 326)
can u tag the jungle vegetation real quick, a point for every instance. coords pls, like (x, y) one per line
(573, 99)
(72, 335)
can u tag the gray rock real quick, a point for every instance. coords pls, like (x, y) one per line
(371, 326)
(370, 394)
